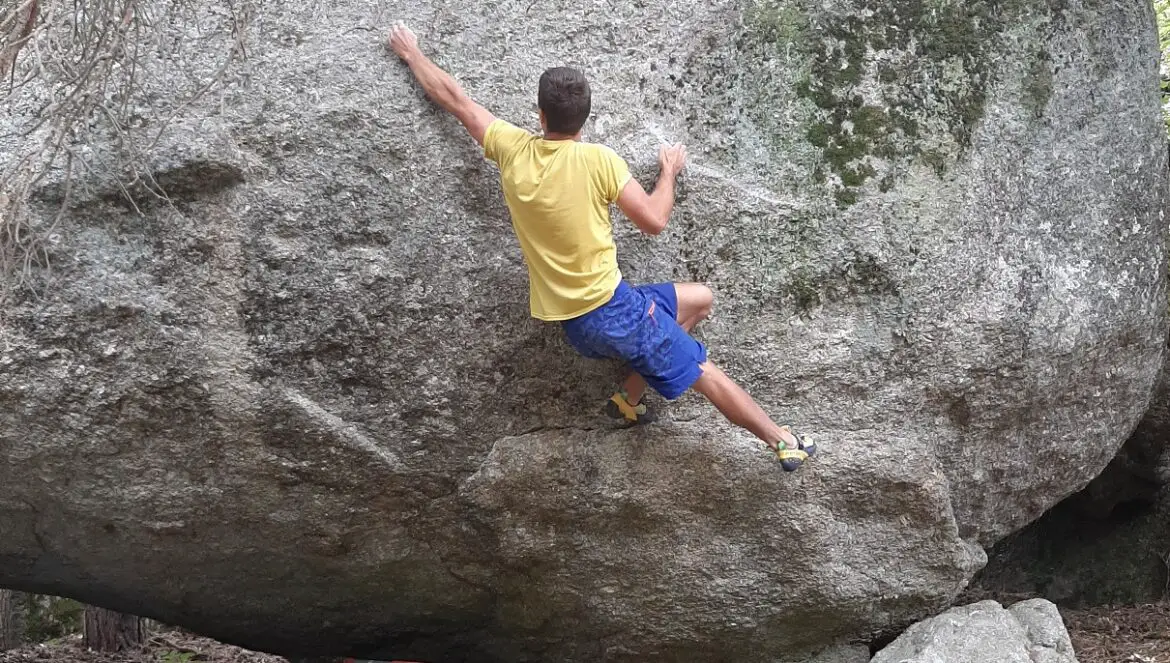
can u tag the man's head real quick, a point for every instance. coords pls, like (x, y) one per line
(564, 100)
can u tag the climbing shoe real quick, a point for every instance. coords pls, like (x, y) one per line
(791, 459)
(618, 407)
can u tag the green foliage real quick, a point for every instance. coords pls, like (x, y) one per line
(52, 617)
(1162, 11)
(176, 656)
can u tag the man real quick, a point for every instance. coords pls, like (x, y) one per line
(558, 190)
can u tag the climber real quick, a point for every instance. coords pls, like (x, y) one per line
(559, 190)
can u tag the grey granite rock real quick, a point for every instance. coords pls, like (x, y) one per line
(303, 409)
(1028, 632)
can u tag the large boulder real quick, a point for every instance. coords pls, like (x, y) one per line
(302, 407)
(1028, 632)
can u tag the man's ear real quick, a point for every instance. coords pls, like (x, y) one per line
(543, 122)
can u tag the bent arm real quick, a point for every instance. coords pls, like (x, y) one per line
(441, 87)
(651, 212)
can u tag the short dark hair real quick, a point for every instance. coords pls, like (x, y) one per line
(565, 99)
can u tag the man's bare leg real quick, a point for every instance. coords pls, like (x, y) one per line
(634, 388)
(694, 305)
(739, 407)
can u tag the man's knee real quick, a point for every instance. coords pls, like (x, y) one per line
(698, 304)
(711, 380)
(707, 302)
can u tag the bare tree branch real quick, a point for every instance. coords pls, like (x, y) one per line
(78, 72)
(24, 17)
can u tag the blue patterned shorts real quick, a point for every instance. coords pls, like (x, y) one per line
(639, 325)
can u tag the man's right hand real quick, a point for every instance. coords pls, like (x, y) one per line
(651, 212)
(672, 158)
(403, 42)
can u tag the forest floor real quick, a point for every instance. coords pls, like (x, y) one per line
(161, 647)
(1127, 634)
(164, 646)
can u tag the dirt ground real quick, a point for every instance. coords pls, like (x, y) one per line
(1126, 634)
(162, 647)
(171, 646)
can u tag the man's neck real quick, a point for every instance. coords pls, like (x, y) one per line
(552, 135)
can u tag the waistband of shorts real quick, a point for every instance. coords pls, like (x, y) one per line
(621, 294)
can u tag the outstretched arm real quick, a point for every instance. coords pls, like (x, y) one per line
(440, 86)
(651, 212)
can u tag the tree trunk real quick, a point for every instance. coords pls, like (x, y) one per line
(10, 627)
(108, 631)
(16, 29)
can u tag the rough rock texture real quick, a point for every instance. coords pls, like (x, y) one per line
(1141, 469)
(1028, 632)
(303, 409)
(1123, 516)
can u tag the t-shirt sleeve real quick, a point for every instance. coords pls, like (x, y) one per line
(615, 174)
(501, 140)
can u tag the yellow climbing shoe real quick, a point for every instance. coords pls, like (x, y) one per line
(792, 459)
(619, 407)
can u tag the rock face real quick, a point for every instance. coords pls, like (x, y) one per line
(1123, 515)
(1028, 632)
(302, 409)
(1142, 470)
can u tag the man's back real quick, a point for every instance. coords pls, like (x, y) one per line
(559, 192)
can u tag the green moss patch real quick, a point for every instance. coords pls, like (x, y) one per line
(893, 80)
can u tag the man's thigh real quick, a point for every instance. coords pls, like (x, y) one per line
(666, 355)
(664, 296)
(694, 299)
(680, 300)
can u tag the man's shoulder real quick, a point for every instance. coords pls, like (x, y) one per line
(507, 129)
(502, 139)
(601, 151)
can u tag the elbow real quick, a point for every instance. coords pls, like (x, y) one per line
(652, 225)
(657, 226)
(649, 222)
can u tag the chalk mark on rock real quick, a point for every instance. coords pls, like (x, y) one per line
(718, 174)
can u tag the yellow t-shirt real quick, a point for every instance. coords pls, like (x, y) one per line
(559, 192)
